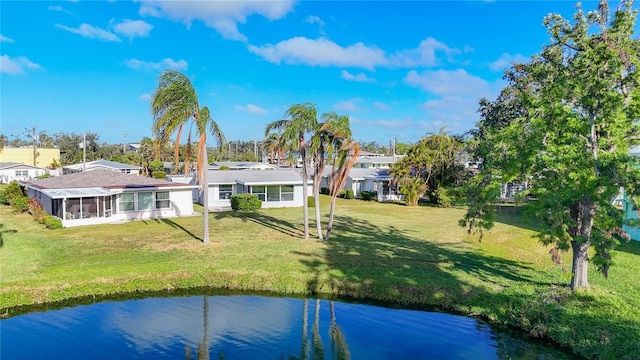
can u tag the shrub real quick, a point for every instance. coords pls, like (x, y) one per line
(342, 193)
(156, 165)
(20, 204)
(224, 167)
(52, 222)
(368, 195)
(324, 191)
(348, 194)
(43, 176)
(13, 191)
(245, 202)
(311, 201)
(36, 210)
(159, 174)
(3, 198)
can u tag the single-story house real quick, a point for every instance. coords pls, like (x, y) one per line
(631, 210)
(241, 165)
(368, 179)
(104, 196)
(104, 165)
(10, 171)
(378, 162)
(277, 188)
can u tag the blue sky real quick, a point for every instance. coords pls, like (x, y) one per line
(398, 69)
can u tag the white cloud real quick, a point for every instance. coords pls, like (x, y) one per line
(16, 65)
(360, 77)
(166, 63)
(347, 105)
(144, 97)
(448, 82)
(320, 52)
(58, 8)
(381, 106)
(133, 28)
(324, 52)
(251, 108)
(312, 19)
(424, 54)
(5, 39)
(223, 16)
(454, 96)
(506, 60)
(91, 32)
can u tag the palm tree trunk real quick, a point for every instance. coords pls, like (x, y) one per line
(331, 212)
(204, 187)
(305, 194)
(316, 198)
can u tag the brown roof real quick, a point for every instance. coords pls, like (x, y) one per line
(100, 178)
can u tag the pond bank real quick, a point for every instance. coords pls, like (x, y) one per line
(419, 259)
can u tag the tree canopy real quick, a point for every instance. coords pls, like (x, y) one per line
(566, 122)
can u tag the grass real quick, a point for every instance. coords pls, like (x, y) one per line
(414, 257)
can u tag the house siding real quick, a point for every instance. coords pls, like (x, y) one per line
(9, 175)
(630, 213)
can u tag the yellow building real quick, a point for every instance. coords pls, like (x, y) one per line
(25, 156)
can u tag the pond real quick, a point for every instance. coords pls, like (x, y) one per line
(256, 327)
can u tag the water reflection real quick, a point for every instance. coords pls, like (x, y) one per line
(251, 327)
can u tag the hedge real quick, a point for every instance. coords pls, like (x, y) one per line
(245, 202)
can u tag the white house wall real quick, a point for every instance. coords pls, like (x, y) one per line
(8, 175)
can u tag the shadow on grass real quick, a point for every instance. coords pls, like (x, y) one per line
(384, 263)
(631, 247)
(174, 225)
(263, 219)
(5, 231)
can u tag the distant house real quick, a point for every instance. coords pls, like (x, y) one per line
(276, 188)
(241, 165)
(105, 196)
(45, 157)
(376, 161)
(631, 211)
(368, 179)
(102, 165)
(10, 171)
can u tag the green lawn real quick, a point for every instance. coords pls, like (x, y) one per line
(387, 252)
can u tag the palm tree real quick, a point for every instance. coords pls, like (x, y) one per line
(342, 164)
(327, 138)
(347, 150)
(299, 120)
(173, 104)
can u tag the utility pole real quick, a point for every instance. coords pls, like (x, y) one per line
(255, 148)
(84, 151)
(124, 142)
(35, 147)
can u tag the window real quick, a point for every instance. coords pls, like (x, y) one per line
(225, 191)
(145, 200)
(22, 172)
(260, 191)
(273, 193)
(126, 202)
(286, 193)
(162, 200)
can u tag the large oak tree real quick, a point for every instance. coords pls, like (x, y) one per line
(579, 114)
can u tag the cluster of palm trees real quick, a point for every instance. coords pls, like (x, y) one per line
(315, 142)
(175, 108)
